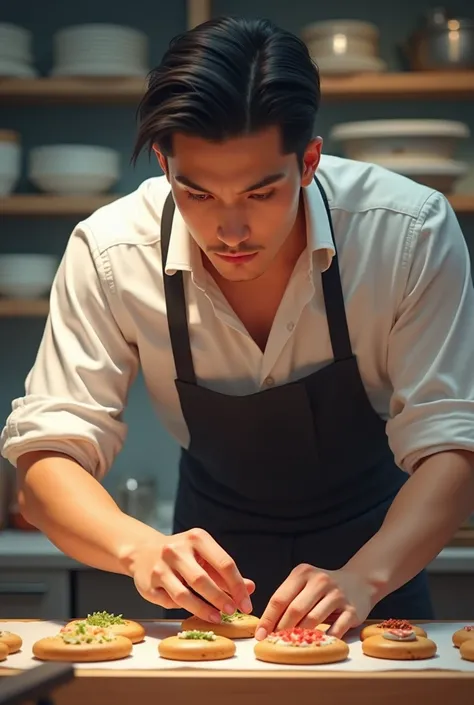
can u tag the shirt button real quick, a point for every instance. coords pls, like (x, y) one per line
(269, 381)
(291, 326)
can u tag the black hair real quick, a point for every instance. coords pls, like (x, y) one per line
(230, 77)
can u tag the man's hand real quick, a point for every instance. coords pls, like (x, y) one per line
(177, 571)
(310, 595)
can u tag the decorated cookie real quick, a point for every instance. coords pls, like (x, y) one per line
(462, 635)
(82, 642)
(13, 642)
(467, 650)
(399, 645)
(232, 626)
(196, 645)
(3, 651)
(301, 646)
(377, 629)
(122, 627)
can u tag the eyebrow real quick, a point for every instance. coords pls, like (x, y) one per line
(266, 181)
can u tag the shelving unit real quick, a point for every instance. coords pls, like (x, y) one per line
(407, 85)
(56, 206)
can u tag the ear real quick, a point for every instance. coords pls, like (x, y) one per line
(311, 159)
(162, 161)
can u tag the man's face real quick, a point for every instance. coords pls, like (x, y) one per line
(238, 198)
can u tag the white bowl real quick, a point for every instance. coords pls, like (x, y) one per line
(13, 68)
(74, 169)
(74, 159)
(15, 42)
(73, 184)
(432, 139)
(27, 276)
(10, 161)
(347, 65)
(440, 175)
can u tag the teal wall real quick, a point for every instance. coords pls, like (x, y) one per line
(148, 449)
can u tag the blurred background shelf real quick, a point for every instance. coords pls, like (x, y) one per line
(28, 205)
(409, 85)
(47, 205)
(14, 308)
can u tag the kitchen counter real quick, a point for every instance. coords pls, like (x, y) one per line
(33, 550)
(276, 687)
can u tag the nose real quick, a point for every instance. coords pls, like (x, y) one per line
(233, 230)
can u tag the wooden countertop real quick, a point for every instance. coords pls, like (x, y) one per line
(202, 687)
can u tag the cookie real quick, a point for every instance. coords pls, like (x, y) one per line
(12, 641)
(399, 645)
(234, 626)
(301, 646)
(82, 643)
(196, 645)
(467, 650)
(462, 635)
(122, 627)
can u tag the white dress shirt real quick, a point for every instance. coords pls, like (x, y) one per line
(409, 300)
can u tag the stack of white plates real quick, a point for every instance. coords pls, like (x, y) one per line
(100, 50)
(74, 169)
(423, 150)
(16, 57)
(344, 46)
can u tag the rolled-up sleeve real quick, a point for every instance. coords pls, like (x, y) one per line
(77, 389)
(431, 344)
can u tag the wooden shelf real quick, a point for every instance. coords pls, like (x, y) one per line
(28, 205)
(46, 205)
(408, 85)
(10, 308)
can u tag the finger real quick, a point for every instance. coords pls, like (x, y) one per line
(324, 607)
(343, 623)
(250, 585)
(223, 563)
(278, 604)
(185, 599)
(197, 579)
(298, 609)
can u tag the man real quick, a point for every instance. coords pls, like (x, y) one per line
(307, 342)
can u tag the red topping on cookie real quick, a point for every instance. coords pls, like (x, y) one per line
(395, 624)
(299, 635)
(469, 629)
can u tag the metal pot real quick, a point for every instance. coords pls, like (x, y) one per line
(441, 43)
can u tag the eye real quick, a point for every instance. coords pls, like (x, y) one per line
(198, 196)
(262, 196)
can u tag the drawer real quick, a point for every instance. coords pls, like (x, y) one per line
(27, 594)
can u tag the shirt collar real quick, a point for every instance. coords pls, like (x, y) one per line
(183, 252)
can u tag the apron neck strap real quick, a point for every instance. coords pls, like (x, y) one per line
(334, 297)
(176, 303)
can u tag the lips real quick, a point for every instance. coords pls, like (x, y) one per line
(238, 259)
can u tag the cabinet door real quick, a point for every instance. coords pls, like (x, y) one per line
(96, 591)
(28, 594)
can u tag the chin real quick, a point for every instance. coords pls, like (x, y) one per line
(239, 274)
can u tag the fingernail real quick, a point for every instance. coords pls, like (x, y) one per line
(260, 634)
(246, 605)
(215, 617)
(229, 608)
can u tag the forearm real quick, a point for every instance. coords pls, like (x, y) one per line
(423, 517)
(76, 513)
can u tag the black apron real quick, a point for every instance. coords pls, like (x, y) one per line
(297, 473)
